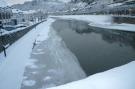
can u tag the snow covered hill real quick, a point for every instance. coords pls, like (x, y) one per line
(44, 5)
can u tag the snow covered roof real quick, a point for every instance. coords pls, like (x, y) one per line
(5, 10)
(3, 3)
(24, 12)
(115, 4)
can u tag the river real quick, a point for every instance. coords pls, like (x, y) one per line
(97, 49)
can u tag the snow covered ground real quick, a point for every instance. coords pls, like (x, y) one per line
(101, 21)
(12, 67)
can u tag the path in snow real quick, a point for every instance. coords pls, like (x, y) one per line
(12, 67)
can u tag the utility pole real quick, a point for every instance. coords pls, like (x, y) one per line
(2, 40)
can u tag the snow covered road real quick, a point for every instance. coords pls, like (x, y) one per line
(12, 67)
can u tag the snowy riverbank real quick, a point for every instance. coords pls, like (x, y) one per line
(117, 78)
(101, 21)
(51, 63)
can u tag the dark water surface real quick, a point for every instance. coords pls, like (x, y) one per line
(96, 49)
(120, 19)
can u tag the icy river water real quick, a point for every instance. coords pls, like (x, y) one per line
(96, 49)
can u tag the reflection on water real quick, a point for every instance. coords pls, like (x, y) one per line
(129, 20)
(96, 49)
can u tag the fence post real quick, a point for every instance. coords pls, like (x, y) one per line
(2, 40)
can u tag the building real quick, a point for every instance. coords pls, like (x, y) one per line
(5, 13)
(27, 17)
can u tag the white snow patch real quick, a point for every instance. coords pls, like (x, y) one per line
(25, 77)
(31, 62)
(37, 53)
(24, 12)
(33, 66)
(43, 33)
(51, 71)
(35, 72)
(115, 4)
(29, 83)
(39, 50)
(47, 78)
(117, 78)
